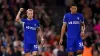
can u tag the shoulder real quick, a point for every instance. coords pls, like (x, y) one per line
(67, 14)
(37, 21)
(23, 19)
(80, 14)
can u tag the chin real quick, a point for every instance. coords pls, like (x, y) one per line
(74, 12)
(30, 17)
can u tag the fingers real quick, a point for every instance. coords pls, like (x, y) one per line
(42, 42)
(60, 43)
(21, 9)
(82, 35)
(61, 40)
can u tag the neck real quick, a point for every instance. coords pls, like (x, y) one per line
(29, 18)
(73, 13)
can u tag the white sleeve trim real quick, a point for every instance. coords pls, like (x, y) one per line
(82, 21)
(38, 27)
(20, 21)
(23, 24)
(65, 22)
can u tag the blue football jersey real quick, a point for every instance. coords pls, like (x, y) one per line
(73, 22)
(30, 32)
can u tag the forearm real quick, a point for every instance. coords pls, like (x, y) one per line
(62, 32)
(83, 27)
(18, 16)
(41, 34)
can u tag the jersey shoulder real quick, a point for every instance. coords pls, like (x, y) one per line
(36, 20)
(67, 14)
(23, 19)
(79, 14)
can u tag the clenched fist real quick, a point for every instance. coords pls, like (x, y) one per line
(21, 9)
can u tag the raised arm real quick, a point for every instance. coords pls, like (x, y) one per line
(18, 15)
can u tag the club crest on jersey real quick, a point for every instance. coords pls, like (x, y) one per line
(34, 24)
(78, 18)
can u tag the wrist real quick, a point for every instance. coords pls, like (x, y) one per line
(61, 38)
(42, 39)
(82, 31)
(19, 12)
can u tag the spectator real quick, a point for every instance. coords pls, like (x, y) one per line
(95, 53)
(87, 47)
(97, 27)
(50, 16)
(3, 49)
(48, 52)
(98, 47)
(56, 49)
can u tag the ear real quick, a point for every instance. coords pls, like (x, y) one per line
(70, 8)
(27, 11)
(27, 14)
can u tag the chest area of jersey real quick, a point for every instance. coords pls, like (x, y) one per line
(30, 26)
(74, 19)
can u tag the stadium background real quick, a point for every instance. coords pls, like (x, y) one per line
(50, 14)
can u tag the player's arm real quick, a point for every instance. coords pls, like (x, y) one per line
(41, 33)
(18, 15)
(82, 24)
(63, 30)
(62, 33)
(82, 27)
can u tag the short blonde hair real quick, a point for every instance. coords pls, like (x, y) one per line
(30, 10)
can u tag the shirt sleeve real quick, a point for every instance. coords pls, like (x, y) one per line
(65, 19)
(82, 18)
(38, 24)
(22, 20)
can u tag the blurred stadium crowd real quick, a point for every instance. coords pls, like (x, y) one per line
(50, 14)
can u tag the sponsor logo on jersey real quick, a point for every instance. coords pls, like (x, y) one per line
(73, 22)
(31, 28)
